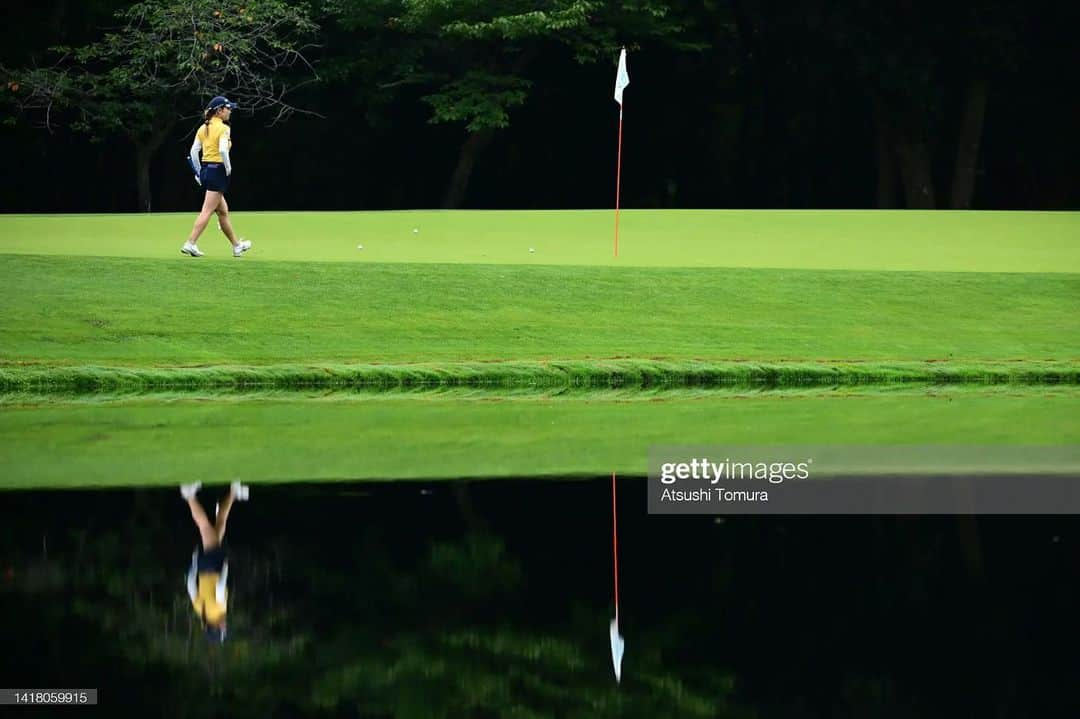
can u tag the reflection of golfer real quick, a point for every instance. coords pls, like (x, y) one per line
(212, 171)
(209, 569)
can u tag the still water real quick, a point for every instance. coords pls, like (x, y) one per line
(493, 598)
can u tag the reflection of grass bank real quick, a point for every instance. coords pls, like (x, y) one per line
(534, 393)
(139, 442)
(525, 377)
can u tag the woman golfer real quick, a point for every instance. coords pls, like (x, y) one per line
(213, 171)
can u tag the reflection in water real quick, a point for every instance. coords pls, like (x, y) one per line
(492, 599)
(208, 576)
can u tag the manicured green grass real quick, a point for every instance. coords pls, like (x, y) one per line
(817, 239)
(152, 313)
(131, 443)
(467, 355)
(964, 290)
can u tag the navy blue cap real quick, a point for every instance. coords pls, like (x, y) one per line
(215, 634)
(221, 101)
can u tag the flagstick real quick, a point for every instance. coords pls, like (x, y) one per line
(618, 181)
(615, 544)
(622, 81)
(618, 644)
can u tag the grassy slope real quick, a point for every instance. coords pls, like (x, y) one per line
(145, 443)
(133, 312)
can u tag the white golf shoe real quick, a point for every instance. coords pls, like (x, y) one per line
(187, 491)
(241, 247)
(240, 492)
(190, 249)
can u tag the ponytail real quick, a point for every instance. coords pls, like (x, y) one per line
(205, 129)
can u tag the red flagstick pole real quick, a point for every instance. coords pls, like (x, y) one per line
(615, 544)
(618, 181)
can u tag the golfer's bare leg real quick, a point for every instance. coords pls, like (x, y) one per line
(207, 532)
(224, 222)
(210, 203)
(223, 517)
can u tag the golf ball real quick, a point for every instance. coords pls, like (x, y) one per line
(359, 247)
(532, 250)
(415, 230)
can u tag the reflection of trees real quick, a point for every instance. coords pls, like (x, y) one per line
(381, 614)
(507, 672)
(449, 663)
(353, 630)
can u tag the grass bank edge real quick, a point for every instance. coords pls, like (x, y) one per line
(525, 376)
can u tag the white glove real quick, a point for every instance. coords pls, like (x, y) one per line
(198, 181)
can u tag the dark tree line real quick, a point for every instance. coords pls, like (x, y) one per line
(507, 103)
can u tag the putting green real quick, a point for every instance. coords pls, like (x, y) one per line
(806, 239)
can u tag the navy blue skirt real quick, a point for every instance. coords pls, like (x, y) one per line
(214, 178)
(210, 561)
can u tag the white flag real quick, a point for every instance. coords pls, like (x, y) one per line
(622, 79)
(618, 644)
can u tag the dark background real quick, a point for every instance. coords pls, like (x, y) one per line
(779, 112)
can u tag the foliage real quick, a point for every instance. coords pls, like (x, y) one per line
(472, 59)
(168, 58)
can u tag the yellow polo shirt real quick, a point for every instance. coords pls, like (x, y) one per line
(210, 137)
(205, 601)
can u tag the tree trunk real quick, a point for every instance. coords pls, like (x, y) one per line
(58, 17)
(916, 170)
(459, 181)
(142, 176)
(967, 526)
(472, 518)
(145, 149)
(476, 143)
(765, 169)
(886, 160)
(967, 149)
